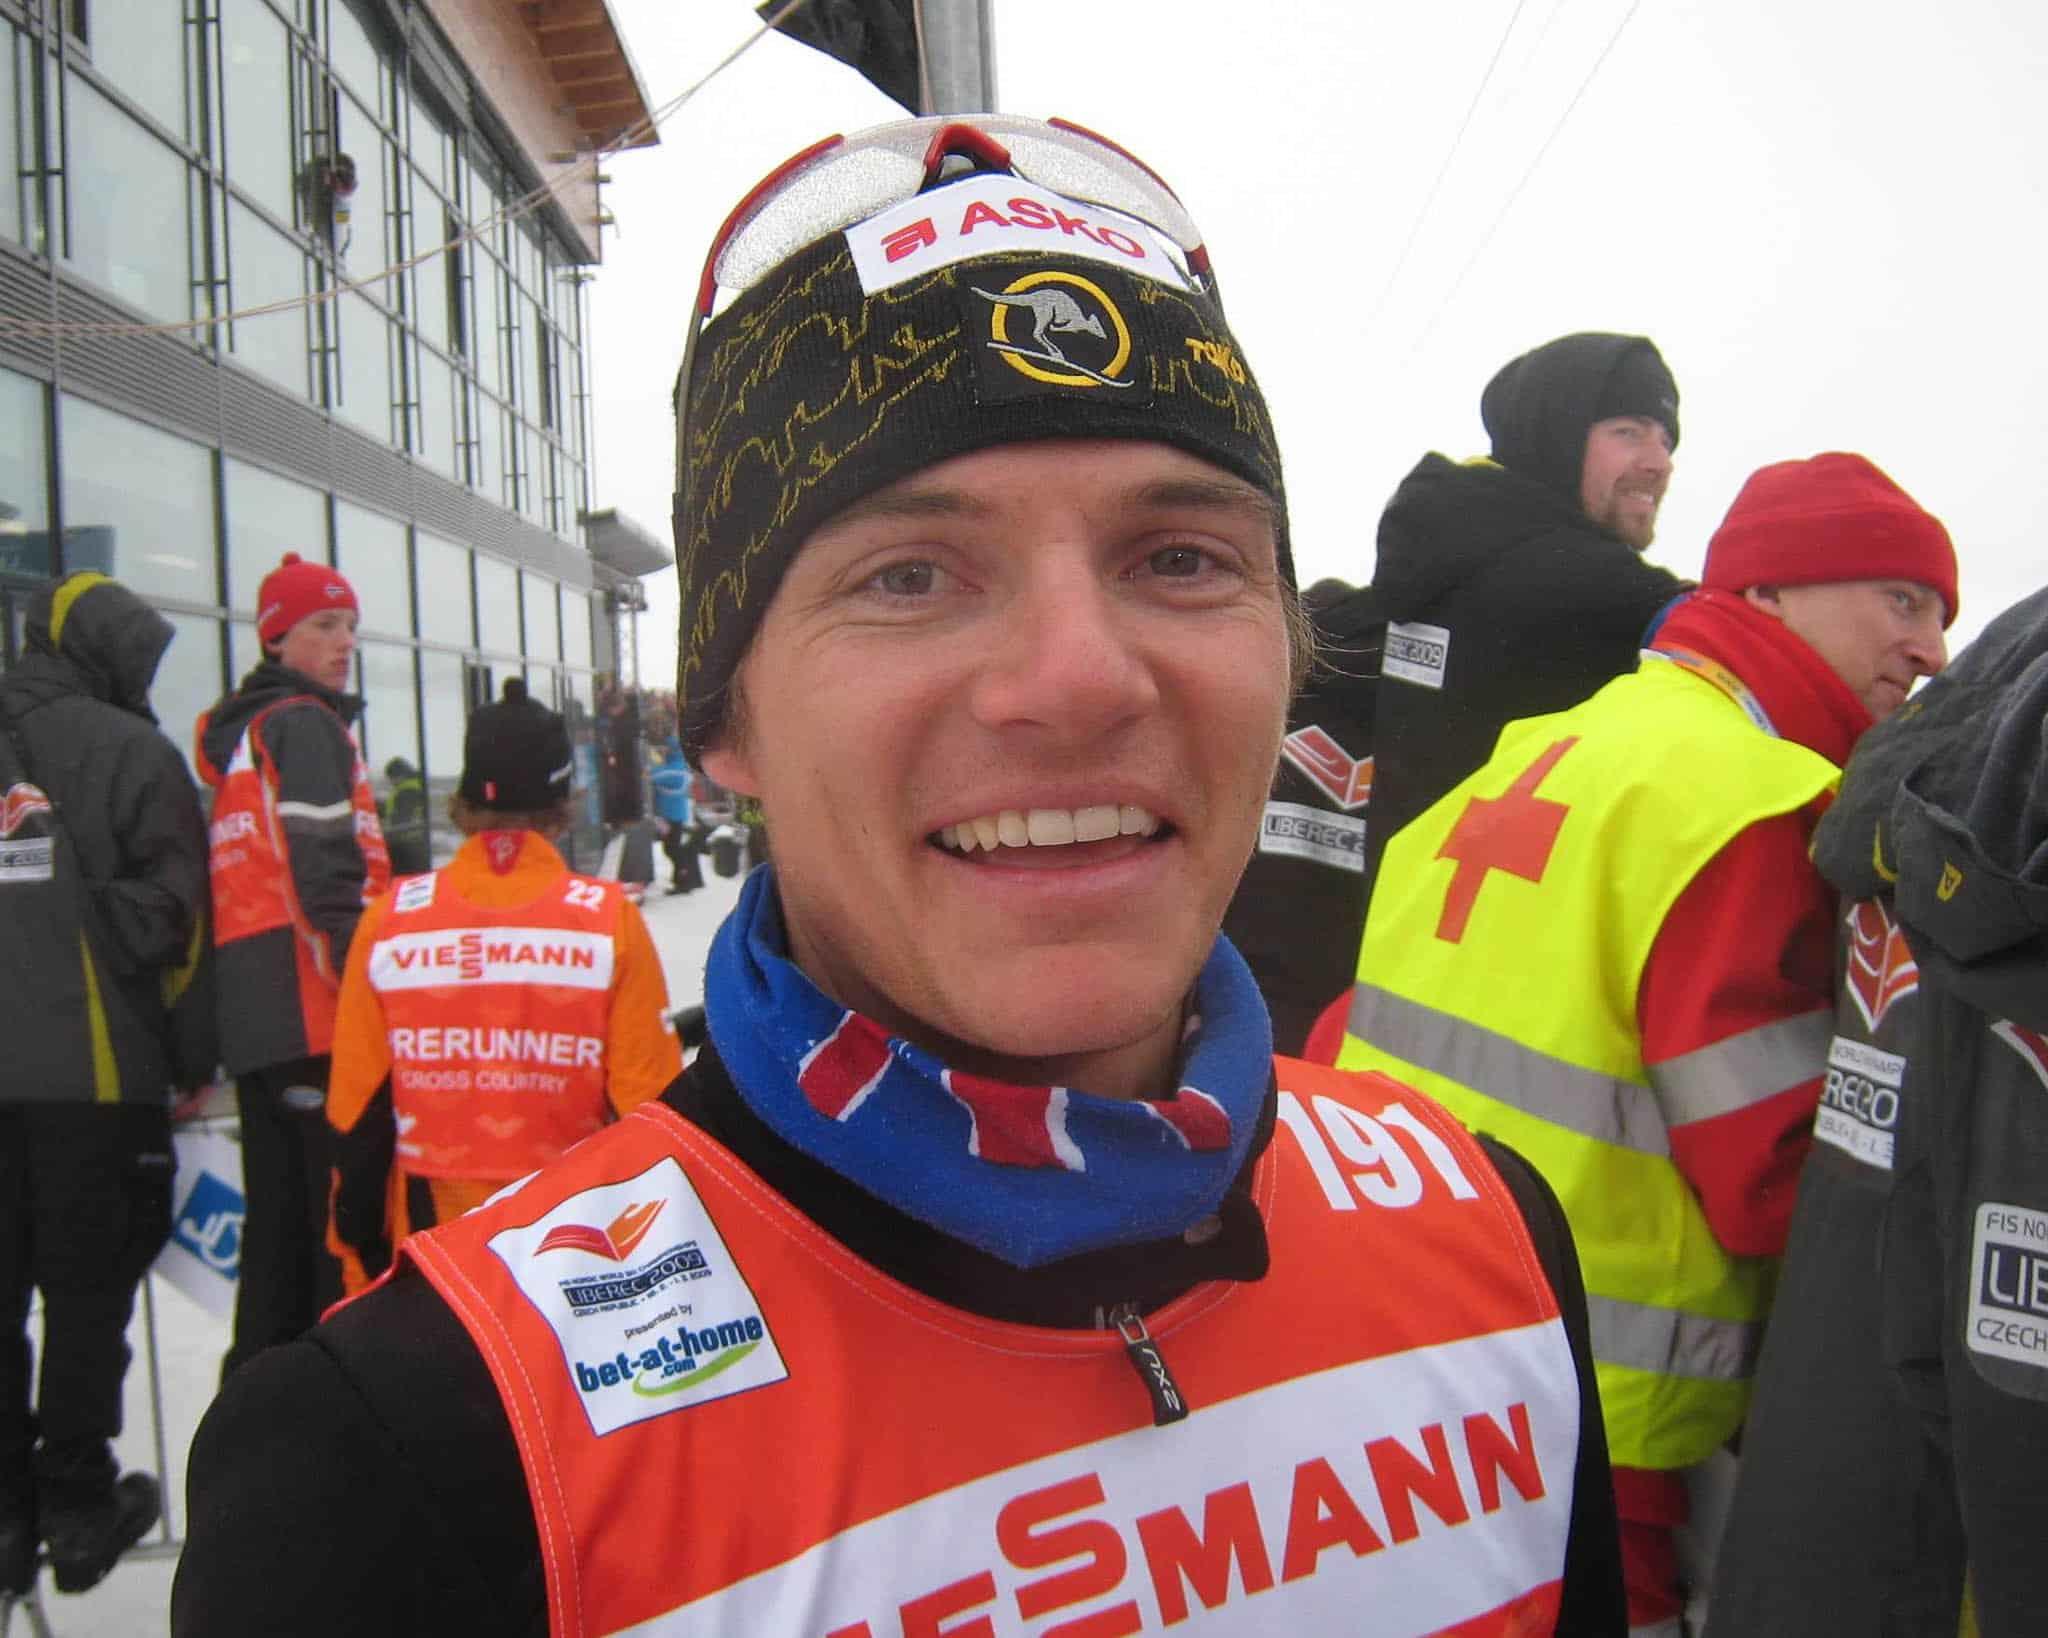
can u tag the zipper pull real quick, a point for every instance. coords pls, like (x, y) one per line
(1168, 1404)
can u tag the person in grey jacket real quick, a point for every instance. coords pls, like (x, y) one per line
(1900, 1425)
(102, 926)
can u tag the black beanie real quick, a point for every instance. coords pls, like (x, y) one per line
(809, 393)
(1538, 409)
(515, 756)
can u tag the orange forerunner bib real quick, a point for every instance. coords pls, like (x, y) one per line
(497, 1020)
(731, 1425)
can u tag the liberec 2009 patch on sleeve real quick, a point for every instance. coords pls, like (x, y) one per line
(2007, 1317)
(650, 1310)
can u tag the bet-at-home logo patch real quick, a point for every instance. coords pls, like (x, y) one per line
(650, 1310)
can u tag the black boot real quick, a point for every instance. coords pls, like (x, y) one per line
(87, 1541)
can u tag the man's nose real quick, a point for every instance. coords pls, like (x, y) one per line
(1067, 659)
(1928, 647)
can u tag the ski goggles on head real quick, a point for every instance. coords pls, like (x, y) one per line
(844, 181)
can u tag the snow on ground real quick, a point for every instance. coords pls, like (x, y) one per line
(136, 1599)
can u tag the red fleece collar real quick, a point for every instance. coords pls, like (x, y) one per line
(1807, 702)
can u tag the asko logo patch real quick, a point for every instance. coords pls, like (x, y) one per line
(1880, 969)
(1346, 778)
(984, 215)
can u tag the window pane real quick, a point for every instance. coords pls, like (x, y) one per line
(268, 267)
(543, 621)
(267, 517)
(431, 147)
(365, 366)
(244, 652)
(355, 60)
(488, 478)
(433, 300)
(258, 104)
(370, 550)
(442, 705)
(390, 727)
(188, 678)
(138, 503)
(24, 478)
(444, 593)
(365, 240)
(13, 59)
(487, 352)
(497, 605)
(575, 627)
(144, 54)
(437, 415)
(127, 201)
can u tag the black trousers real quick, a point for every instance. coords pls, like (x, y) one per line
(85, 1205)
(681, 844)
(288, 1277)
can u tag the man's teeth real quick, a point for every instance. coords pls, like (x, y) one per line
(1048, 827)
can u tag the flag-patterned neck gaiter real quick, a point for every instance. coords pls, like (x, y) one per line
(1030, 1174)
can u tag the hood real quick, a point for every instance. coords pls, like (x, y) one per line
(91, 635)
(1946, 804)
(219, 730)
(1539, 407)
(1449, 519)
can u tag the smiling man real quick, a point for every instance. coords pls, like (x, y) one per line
(1610, 948)
(986, 1271)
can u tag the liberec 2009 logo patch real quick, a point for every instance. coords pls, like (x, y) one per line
(642, 1335)
(1057, 329)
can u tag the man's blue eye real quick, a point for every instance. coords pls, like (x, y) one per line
(1177, 561)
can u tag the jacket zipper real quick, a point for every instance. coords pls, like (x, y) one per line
(1168, 1403)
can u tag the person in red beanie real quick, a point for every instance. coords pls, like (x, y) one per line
(1609, 948)
(296, 853)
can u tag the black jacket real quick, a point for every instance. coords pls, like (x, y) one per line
(262, 1020)
(401, 1459)
(77, 707)
(1538, 608)
(1299, 913)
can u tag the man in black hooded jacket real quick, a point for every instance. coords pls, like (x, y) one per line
(1900, 1425)
(92, 967)
(1515, 585)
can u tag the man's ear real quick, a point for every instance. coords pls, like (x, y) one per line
(731, 767)
(1765, 599)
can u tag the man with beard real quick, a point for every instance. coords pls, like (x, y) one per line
(1515, 585)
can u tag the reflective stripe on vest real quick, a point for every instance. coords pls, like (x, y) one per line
(1387, 1420)
(1499, 972)
(497, 1022)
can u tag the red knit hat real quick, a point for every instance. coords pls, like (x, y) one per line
(295, 589)
(1835, 517)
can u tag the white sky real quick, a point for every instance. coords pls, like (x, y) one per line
(1829, 214)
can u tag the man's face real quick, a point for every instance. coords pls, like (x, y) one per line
(321, 646)
(1073, 653)
(1878, 636)
(1626, 470)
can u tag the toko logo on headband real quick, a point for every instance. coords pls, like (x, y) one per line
(988, 214)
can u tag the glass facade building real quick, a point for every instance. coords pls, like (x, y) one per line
(286, 173)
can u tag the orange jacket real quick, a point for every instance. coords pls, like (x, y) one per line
(1387, 1422)
(509, 1006)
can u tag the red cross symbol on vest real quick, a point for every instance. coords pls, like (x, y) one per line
(1514, 831)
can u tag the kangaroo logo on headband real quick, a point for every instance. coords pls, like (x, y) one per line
(1056, 328)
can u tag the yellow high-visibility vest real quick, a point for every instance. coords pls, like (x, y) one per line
(1499, 971)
